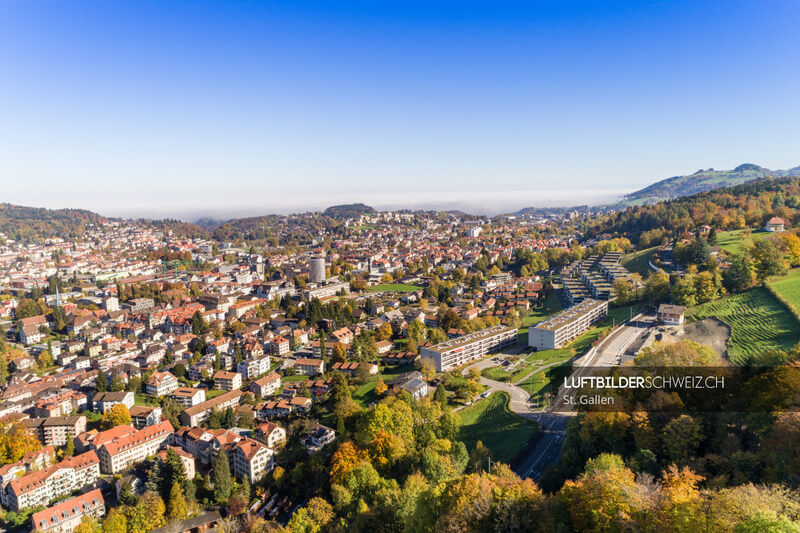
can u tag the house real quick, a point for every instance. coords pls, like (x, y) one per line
(227, 381)
(188, 396)
(253, 367)
(103, 401)
(310, 367)
(671, 314)
(205, 522)
(343, 335)
(161, 384)
(417, 387)
(266, 386)
(65, 516)
(270, 434)
(384, 346)
(319, 438)
(119, 453)
(30, 335)
(350, 369)
(775, 224)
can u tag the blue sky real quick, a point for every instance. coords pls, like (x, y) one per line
(234, 108)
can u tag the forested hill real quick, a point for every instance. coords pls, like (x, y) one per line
(348, 211)
(28, 224)
(747, 205)
(702, 181)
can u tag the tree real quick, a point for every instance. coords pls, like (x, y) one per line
(656, 287)
(199, 324)
(117, 384)
(344, 461)
(229, 419)
(171, 411)
(339, 353)
(126, 494)
(221, 477)
(440, 395)
(118, 415)
(100, 382)
(69, 447)
(384, 331)
(246, 490)
(172, 471)
(740, 275)
(87, 525)
(176, 506)
(313, 518)
(681, 437)
(768, 260)
(380, 387)
(147, 515)
(116, 522)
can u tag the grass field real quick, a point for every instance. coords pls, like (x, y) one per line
(491, 422)
(637, 261)
(758, 322)
(789, 287)
(393, 287)
(732, 241)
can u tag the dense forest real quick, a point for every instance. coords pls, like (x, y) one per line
(34, 224)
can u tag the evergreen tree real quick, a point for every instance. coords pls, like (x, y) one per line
(221, 477)
(101, 382)
(340, 429)
(69, 447)
(126, 494)
(246, 489)
(440, 396)
(154, 479)
(229, 419)
(172, 471)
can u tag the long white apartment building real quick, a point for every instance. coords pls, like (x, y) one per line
(41, 486)
(122, 452)
(461, 350)
(557, 331)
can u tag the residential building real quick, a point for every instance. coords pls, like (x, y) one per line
(671, 314)
(266, 386)
(142, 416)
(559, 330)
(227, 381)
(197, 414)
(310, 367)
(316, 269)
(103, 401)
(253, 367)
(41, 486)
(279, 345)
(122, 452)
(270, 434)
(65, 516)
(775, 224)
(188, 396)
(461, 350)
(251, 459)
(56, 430)
(161, 384)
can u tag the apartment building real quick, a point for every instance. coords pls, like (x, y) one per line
(188, 396)
(253, 367)
(266, 386)
(251, 459)
(161, 384)
(227, 380)
(461, 350)
(122, 452)
(41, 486)
(270, 434)
(65, 516)
(326, 291)
(310, 367)
(196, 415)
(103, 401)
(142, 415)
(559, 330)
(56, 430)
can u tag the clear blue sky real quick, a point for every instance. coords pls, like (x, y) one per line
(152, 108)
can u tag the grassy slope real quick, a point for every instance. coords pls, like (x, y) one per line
(637, 261)
(548, 308)
(491, 422)
(789, 287)
(758, 323)
(732, 241)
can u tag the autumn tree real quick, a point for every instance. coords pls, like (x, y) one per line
(176, 505)
(118, 415)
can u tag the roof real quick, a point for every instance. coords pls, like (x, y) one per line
(570, 315)
(141, 436)
(32, 480)
(68, 509)
(213, 402)
(671, 309)
(465, 340)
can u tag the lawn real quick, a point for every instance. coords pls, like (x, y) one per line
(145, 399)
(491, 422)
(758, 322)
(788, 286)
(540, 312)
(637, 261)
(496, 373)
(394, 287)
(732, 241)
